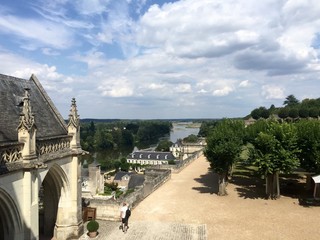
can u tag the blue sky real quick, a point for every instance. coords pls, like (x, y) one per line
(152, 59)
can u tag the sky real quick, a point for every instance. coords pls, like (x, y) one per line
(158, 59)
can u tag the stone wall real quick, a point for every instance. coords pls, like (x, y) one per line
(155, 176)
(181, 164)
(109, 209)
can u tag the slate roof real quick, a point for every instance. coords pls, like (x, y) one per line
(48, 121)
(162, 156)
(120, 175)
(136, 180)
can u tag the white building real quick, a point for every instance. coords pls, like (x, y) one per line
(150, 158)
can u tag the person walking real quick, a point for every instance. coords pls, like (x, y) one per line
(123, 211)
(126, 218)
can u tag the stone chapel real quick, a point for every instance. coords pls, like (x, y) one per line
(40, 181)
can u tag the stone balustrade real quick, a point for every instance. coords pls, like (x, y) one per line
(11, 153)
(53, 144)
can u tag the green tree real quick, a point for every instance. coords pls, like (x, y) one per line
(291, 101)
(253, 130)
(125, 167)
(314, 112)
(260, 112)
(272, 109)
(303, 112)
(283, 113)
(127, 138)
(206, 127)
(293, 113)
(191, 139)
(275, 150)
(149, 130)
(132, 127)
(309, 142)
(92, 128)
(255, 113)
(164, 146)
(223, 148)
(103, 139)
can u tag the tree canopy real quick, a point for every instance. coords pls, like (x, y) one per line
(224, 146)
(309, 142)
(293, 109)
(290, 101)
(275, 150)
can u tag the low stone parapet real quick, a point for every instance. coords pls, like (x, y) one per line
(108, 209)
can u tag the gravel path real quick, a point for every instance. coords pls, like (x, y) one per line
(188, 198)
(185, 207)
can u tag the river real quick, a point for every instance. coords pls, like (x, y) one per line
(181, 130)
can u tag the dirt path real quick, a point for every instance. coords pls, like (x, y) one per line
(187, 198)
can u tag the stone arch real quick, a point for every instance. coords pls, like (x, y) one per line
(10, 220)
(54, 192)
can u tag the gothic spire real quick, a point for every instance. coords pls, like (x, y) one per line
(73, 116)
(26, 116)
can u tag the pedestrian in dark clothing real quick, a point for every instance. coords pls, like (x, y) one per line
(123, 212)
(127, 216)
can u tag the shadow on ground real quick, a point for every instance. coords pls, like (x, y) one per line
(309, 202)
(209, 182)
(249, 184)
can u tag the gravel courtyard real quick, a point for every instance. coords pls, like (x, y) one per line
(186, 208)
(188, 198)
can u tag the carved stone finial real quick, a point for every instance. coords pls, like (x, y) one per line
(26, 117)
(74, 126)
(73, 116)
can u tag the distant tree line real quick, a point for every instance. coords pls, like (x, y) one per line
(120, 134)
(274, 147)
(206, 127)
(293, 109)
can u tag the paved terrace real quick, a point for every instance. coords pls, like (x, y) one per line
(185, 208)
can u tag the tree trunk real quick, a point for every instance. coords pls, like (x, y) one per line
(309, 182)
(222, 184)
(272, 186)
(231, 170)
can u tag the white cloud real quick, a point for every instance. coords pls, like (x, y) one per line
(273, 92)
(183, 88)
(102, 52)
(155, 86)
(31, 31)
(244, 83)
(50, 52)
(89, 7)
(199, 28)
(119, 87)
(223, 91)
(201, 91)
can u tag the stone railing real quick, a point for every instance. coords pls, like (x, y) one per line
(108, 209)
(181, 164)
(11, 153)
(11, 157)
(54, 144)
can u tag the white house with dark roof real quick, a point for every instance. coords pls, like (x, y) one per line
(150, 158)
(122, 178)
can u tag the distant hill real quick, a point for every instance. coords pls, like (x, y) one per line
(88, 120)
